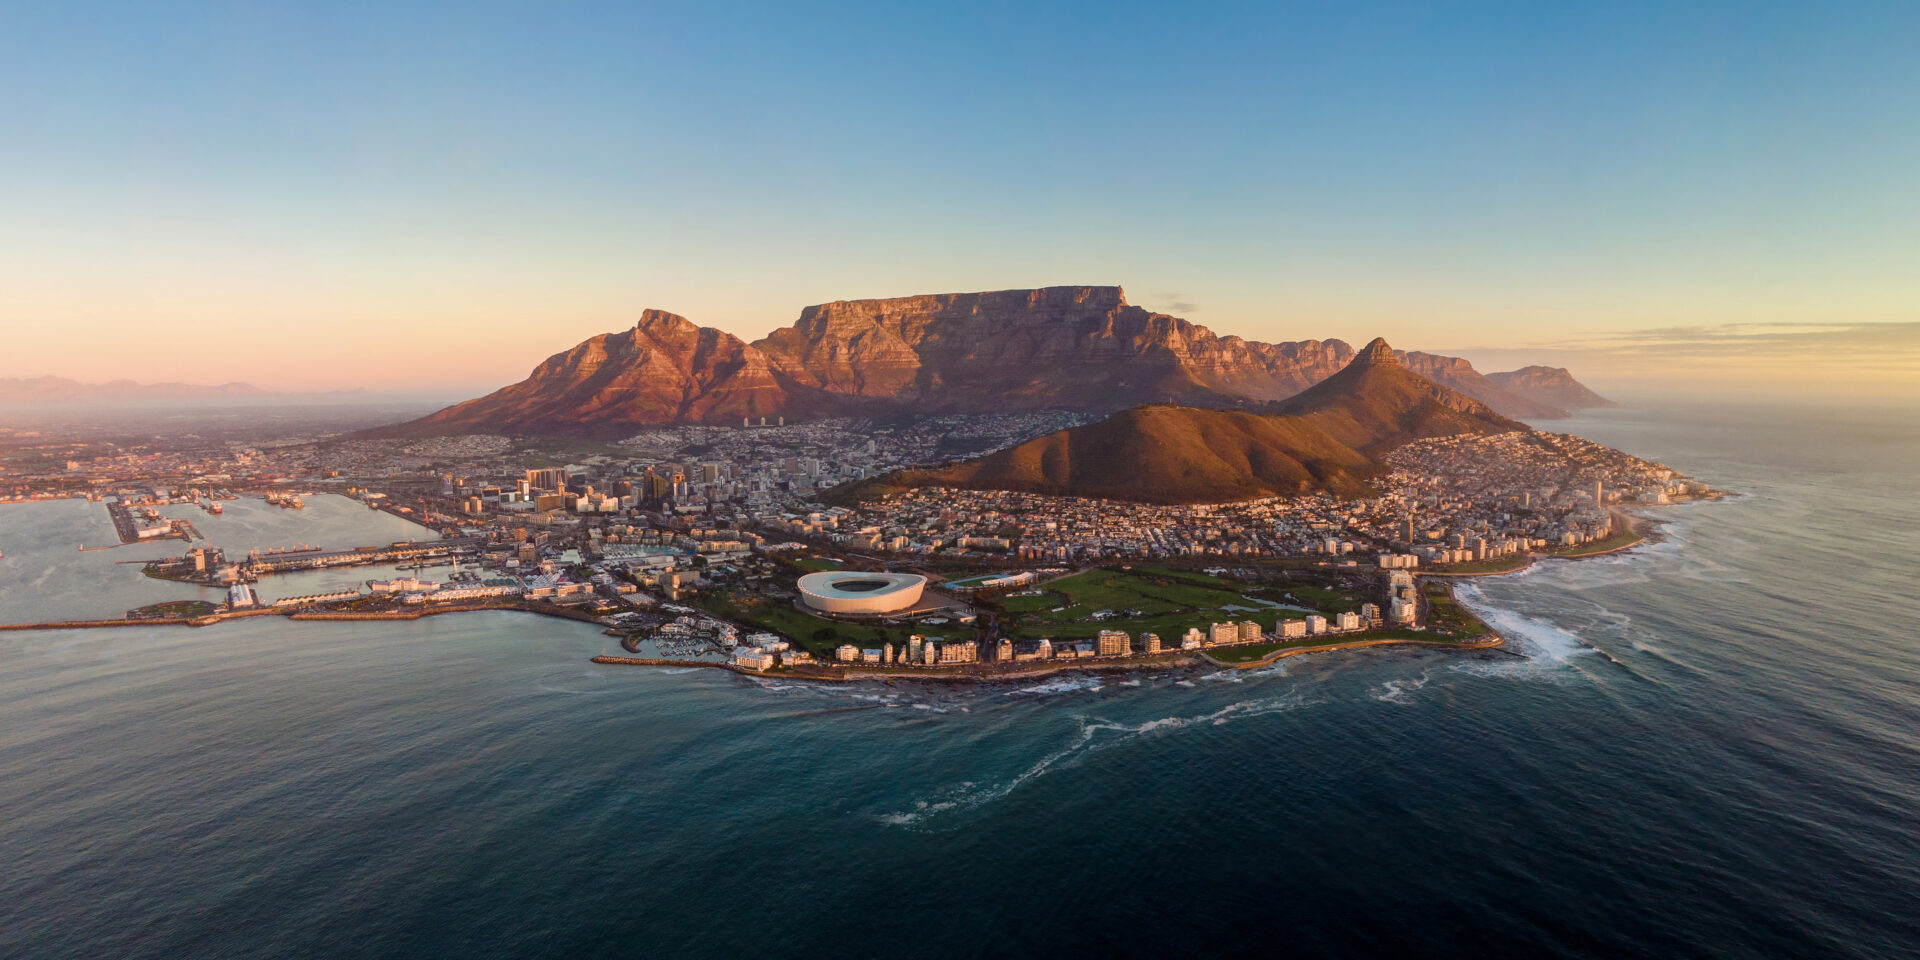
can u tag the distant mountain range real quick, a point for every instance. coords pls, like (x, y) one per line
(1326, 439)
(1082, 348)
(55, 390)
(1553, 385)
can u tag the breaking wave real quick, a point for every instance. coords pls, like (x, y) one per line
(1093, 735)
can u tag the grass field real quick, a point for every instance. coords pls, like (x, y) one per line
(1446, 615)
(1169, 602)
(1614, 542)
(175, 608)
(1033, 604)
(816, 564)
(1326, 599)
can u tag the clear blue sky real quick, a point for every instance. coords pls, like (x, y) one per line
(1649, 192)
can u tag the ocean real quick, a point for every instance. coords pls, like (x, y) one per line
(1711, 748)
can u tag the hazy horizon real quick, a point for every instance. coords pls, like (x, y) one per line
(1716, 199)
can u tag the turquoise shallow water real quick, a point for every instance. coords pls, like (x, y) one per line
(1711, 751)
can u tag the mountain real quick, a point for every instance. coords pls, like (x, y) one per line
(1377, 403)
(1460, 375)
(28, 390)
(1074, 347)
(1552, 385)
(1327, 439)
(664, 370)
(1079, 347)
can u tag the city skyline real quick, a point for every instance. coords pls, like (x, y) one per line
(1710, 200)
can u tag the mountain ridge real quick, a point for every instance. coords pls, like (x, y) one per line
(1327, 439)
(1066, 347)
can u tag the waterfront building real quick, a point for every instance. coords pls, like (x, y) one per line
(1400, 611)
(1219, 633)
(1316, 625)
(314, 598)
(1289, 629)
(963, 652)
(1151, 643)
(240, 597)
(1370, 613)
(846, 653)
(1192, 639)
(1046, 648)
(753, 658)
(1115, 643)
(1347, 621)
(1250, 630)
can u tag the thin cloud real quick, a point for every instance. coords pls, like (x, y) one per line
(1872, 342)
(1175, 304)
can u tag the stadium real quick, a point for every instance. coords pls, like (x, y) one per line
(853, 592)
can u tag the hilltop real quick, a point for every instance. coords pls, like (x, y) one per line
(1327, 439)
(1550, 385)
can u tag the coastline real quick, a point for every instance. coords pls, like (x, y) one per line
(1642, 529)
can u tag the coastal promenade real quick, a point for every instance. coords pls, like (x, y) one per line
(1482, 643)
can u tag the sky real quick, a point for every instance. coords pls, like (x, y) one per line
(1673, 197)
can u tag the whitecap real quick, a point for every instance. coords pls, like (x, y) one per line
(1093, 735)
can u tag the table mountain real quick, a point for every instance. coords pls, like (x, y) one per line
(1081, 348)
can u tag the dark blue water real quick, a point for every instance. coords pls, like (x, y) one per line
(1730, 769)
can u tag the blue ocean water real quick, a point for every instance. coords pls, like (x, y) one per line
(1711, 749)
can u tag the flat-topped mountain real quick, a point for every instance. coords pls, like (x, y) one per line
(1082, 348)
(1327, 439)
(1553, 385)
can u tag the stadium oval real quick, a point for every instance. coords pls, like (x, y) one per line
(850, 591)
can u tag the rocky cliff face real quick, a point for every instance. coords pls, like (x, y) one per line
(664, 370)
(1080, 347)
(1552, 385)
(1054, 347)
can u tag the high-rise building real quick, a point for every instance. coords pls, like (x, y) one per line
(547, 479)
(1115, 643)
(1150, 642)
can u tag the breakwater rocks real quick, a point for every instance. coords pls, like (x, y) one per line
(91, 624)
(658, 662)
